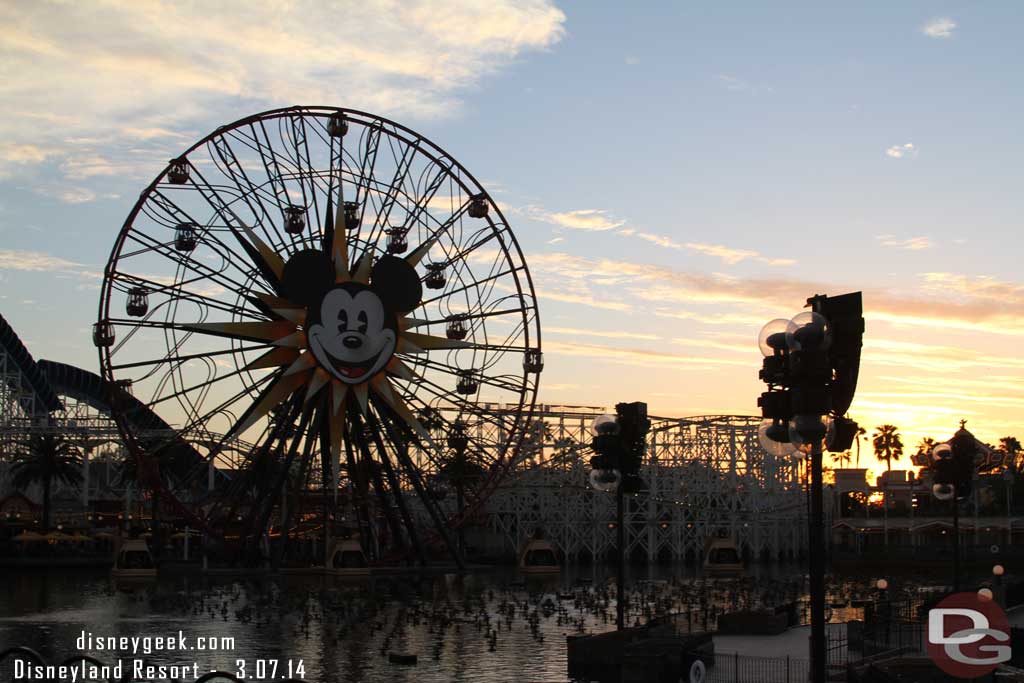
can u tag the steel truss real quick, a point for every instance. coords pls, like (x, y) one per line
(705, 476)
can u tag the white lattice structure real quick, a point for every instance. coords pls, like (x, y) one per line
(705, 475)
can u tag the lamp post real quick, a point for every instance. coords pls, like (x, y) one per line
(811, 365)
(884, 607)
(619, 444)
(953, 464)
(458, 441)
(607, 476)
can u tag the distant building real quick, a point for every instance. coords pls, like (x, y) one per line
(898, 519)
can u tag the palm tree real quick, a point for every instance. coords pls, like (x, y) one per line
(860, 433)
(924, 452)
(1011, 447)
(46, 458)
(842, 458)
(888, 444)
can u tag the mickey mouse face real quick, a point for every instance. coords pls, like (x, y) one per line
(351, 327)
(354, 336)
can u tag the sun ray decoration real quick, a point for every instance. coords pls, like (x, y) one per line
(327, 296)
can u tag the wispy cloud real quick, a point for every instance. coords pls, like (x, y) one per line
(729, 255)
(942, 27)
(973, 287)
(733, 256)
(578, 219)
(942, 301)
(608, 334)
(13, 259)
(907, 149)
(641, 357)
(740, 85)
(17, 155)
(583, 299)
(151, 72)
(911, 243)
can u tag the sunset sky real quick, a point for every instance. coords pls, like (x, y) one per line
(678, 174)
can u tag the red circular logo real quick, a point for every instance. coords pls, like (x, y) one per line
(968, 635)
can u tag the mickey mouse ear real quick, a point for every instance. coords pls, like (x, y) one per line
(307, 275)
(396, 283)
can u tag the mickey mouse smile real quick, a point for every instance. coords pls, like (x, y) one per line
(352, 325)
(353, 337)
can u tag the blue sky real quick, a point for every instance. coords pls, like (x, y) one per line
(677, 173)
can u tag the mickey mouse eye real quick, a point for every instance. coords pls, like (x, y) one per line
(362, 321)
(342, 320)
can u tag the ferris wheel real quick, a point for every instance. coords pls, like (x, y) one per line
(338, 295)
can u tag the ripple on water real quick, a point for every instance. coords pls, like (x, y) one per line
(345, 631)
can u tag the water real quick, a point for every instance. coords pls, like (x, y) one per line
(477, 627)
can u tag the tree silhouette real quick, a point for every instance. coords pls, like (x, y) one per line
(841, 458)
(46, 458)
(888, 444)
(1011, 447)
(860, 433)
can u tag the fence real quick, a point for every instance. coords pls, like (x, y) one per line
(737, 668)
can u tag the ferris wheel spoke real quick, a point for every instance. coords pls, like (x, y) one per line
(392, 190)
(445, 226)
(275, 440)
(236, 363)
(495, 382)
(303, 164)
(236, 172)
(421, 199)
(258, 254)
(178, 215)
(467, 287)
(335, 221)
(413, 474)
(264, 148)
(188, 357)
(179, 290)
(469, 315)
(395, 485)
(271, 331)
(166, 250)
(194, 387)
(445, 395)
(255, 252)
(261, 387)
(367, 166)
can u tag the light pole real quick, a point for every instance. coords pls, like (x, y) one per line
(458, 441)
(619, 444)
(811, 365)
(606, 475)
(953, 464)
(884, 606)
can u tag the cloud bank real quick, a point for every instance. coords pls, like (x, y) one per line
(144, 75)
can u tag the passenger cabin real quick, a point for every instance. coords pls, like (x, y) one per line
(722, 557)
(133, 561)
(347, 559)
(539, 557)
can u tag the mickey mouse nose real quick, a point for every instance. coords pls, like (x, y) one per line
(351, 341)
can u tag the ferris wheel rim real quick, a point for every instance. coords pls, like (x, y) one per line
(507, 241)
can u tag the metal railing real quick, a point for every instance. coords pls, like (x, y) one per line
(737, 668)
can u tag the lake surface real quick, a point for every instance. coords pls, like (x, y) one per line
(477, 627)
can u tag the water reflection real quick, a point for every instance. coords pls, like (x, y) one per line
(478, 627)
